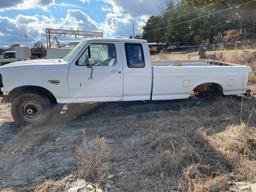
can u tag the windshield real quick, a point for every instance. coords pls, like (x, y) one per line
(74, 52)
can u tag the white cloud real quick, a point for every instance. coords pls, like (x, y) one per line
(25, 4)
(7, 4)
(85, 1)
(137, 7)
(78, 20)
(123, 14)
(118, 22)
(16, 28)
(106, 9)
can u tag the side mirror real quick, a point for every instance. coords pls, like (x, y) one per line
(91, 65)
(91, 62)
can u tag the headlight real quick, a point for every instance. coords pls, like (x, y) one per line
(1, 81)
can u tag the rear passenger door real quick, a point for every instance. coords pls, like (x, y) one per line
(137, 72)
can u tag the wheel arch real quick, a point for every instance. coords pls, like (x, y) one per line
(32, 89)
(210, 86)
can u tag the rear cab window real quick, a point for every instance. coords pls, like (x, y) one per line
(134, 55)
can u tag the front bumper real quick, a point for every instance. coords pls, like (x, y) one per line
(3, 97)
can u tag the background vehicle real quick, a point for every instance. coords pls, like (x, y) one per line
(15, 54)
(102, 70)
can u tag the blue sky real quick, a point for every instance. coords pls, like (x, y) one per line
(113, 17)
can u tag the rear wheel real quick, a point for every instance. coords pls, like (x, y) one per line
(30, 109)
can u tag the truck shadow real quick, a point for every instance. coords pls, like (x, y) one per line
(67, 113)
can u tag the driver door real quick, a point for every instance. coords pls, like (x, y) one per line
(106, 83)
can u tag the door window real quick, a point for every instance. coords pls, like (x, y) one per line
(103, 55)
(134, 55)
(84, 59)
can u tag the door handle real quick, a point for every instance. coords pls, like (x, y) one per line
(116, 71)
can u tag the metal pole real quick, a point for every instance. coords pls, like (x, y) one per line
(133, 30)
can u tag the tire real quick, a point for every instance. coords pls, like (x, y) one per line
(30, 109)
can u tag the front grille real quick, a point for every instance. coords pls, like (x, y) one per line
(1, 81)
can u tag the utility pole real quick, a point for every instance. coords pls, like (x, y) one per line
(133, 30)
(26, 39)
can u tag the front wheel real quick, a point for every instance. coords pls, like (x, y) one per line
(30, 109)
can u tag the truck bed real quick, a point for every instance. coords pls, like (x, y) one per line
(183, 77)
(190, 63)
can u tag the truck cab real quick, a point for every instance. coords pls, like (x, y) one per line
(119, 70)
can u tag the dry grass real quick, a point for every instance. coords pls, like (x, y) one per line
(235, 139)
(237, 146)
(6, 190)
(174, 56)
(204, 156)
(51, 186)
(91, 165)
(238, 143)
(196, 179)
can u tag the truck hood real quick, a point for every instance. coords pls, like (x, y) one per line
(40, 62)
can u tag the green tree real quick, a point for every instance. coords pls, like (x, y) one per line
(153, 29)
(195, 21)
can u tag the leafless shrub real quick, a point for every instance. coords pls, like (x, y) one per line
(91, 165)
(197, 178)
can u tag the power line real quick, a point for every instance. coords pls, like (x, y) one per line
(202, 16)
(202, 8)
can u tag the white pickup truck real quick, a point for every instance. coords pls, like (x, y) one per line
(102, 70)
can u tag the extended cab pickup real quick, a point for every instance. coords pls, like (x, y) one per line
(102, 70)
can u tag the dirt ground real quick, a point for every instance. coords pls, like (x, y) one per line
(135, 146)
